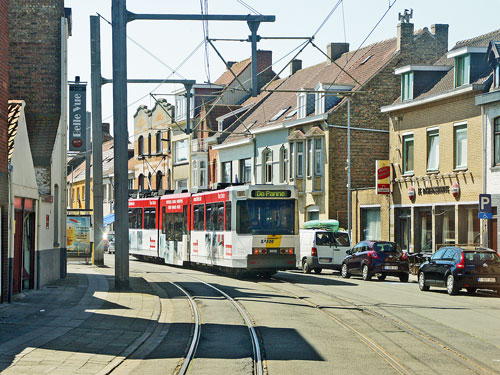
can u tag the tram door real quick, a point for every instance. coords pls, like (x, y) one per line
(404, 229)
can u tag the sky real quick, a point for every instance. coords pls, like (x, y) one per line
(156, 48)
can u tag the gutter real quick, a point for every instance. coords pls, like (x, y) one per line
(234, 144)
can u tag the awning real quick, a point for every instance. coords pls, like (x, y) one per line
(108, 219)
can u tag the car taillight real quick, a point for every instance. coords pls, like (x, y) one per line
(314, 252)
(258, 251)
(373, 254)
(286, 251)
(403, 256)
(461, 264)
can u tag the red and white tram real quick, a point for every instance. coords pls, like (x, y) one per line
(240, 228)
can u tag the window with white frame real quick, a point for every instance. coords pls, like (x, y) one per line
(318, 156)
(195, 173)
(267, 157)
(283, 164)
(203, 173)
(496, 135)
(227, 171)
(319, 102)
(497, 76)
(460, 142)
(299, 169)
(180, 108)
(245, 170)
(408, 147)
(301, 105)
(309, 157)
(462, 70)
(407, 86)
(291, 158)
(181, 184)
(181, 151)
(433, 150)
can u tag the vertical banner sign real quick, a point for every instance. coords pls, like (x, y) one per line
(77, 117)
(383, 176)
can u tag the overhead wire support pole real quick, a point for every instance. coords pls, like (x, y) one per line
(349, 166)
(254, 38)
(200, 17)
(96, 86)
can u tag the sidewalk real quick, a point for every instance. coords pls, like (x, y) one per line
(78, 325)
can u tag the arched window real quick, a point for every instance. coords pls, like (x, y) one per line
(150, 185)
(194, 165)
(140, 145)
(283, 164)
(203, 173)
(140, 185)
(159, 180)
(159, 146)
(267, 157)
(149, 144)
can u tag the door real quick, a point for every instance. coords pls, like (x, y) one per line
(431, 268)
(18, 251)
(325, 245)
(342, 245)
(443, 265)
(492, 234)
(404, 230)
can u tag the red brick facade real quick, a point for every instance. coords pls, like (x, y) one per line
(4, 187)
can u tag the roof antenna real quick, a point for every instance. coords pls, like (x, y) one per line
(407, 16)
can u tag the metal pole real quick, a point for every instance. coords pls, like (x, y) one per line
(95, 83)
(119, 21)
(349, 166)
(87, 161)
(254, 26)
(188, 107)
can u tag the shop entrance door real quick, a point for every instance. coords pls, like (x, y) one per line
(492, 234)
(404, 229)
(24, 254)
(18, 251)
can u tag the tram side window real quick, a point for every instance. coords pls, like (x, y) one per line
(199, 217)
(150, 218)
(135, 218)
(228, 216)
(243, 222)
(215, 217)
(219, 225)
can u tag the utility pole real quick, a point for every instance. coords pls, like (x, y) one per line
(95, 84)
(349, 166)
(120, 17)
(87, 162)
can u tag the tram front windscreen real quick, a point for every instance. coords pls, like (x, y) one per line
(266, 216)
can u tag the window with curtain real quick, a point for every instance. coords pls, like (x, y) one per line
(318, 156)
(408, 153)
(462, 70)
(460, 146)
(433, 150)
(301, 106)
(370, 224)
(407, 86)
(203, 173)
(245, 170)
(268, 166)
(181, 151)
(194, 165)
(496, 131)
(226, 171)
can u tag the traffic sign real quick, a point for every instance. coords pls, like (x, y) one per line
(484, 202)
(485, 215)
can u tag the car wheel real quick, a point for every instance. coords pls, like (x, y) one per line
(421, 282)
(471, 290)
(451, 285)
(318, 270)
(306, 267)
(344, 272)
(403, 277)
(381, 276)
(366, 273)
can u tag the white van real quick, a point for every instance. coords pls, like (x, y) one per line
(321, 248)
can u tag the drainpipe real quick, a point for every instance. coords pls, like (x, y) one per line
(484, 223)
(10, 246)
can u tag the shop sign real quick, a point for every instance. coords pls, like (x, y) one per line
(434, 190)
(411, 193)
(77, 117)
(78, 234)
(383, 176)
(455, 189)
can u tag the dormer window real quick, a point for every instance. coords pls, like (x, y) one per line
(407, 86)
(305, 104)
(462, 70)
(324, 101)
(497, 76)
(180, 108)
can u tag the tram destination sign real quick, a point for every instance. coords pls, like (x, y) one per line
(271, 193)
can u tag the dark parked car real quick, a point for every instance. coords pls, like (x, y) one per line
(455, 268)
(381, 258)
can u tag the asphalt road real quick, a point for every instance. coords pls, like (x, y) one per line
(320, 324)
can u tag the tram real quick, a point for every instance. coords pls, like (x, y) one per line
(239, 228)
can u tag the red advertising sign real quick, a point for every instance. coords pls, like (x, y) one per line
(383, 176)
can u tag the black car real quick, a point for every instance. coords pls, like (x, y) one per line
(381, 258)
(455, 268)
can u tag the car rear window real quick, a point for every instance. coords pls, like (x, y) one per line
(325, 239)
(342, 238)
(386, 247)
(481, 257)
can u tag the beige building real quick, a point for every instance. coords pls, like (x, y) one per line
(435, 149)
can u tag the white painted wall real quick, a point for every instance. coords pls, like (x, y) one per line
(491, 111)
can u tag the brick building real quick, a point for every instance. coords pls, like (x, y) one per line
(436, 154)
(4, 193)
(297, 133)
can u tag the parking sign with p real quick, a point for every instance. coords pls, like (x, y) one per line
(485, 206)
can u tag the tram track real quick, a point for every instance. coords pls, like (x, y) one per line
(471, 365)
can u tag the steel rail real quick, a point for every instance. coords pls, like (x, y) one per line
(197, 330)
(259, 367)
(460, 358)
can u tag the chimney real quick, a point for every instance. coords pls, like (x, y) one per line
(295, 65)
(105, 127)
(405, 35)
(230, 64)
(335, 50)
(440, 32)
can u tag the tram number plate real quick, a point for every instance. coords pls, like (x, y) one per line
(273, 251)
(486, 279)
(390, 267)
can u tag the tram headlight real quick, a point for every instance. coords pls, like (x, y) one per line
(288, 250)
